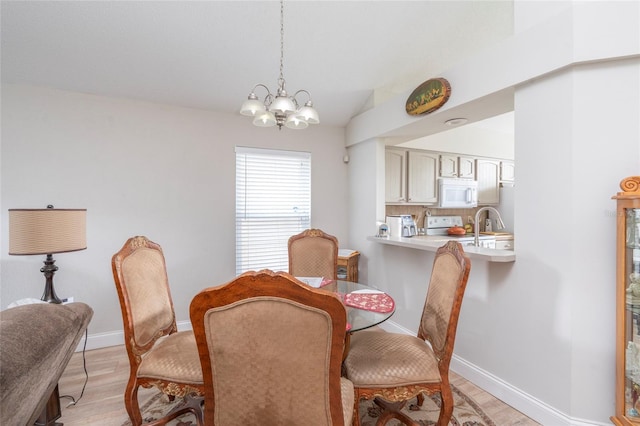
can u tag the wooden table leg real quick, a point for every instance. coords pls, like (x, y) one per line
(51, 411)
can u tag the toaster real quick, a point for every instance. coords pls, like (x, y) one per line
(402, 225)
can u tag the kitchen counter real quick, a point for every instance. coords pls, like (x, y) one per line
(432, 243)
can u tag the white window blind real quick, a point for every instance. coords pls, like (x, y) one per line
(273, 202)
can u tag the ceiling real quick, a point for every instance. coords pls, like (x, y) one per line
(350, 55)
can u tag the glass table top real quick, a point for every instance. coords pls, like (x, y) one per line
(359, 319)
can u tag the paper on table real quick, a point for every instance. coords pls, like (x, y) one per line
(345, 252)
(367, 291)
(312, 281)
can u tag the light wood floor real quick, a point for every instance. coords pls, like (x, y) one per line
(102, 403)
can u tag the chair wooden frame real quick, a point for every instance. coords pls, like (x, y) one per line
(257, 286)
(136, 345)
(325, 240)
(395, 396)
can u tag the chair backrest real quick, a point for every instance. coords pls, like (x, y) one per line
(313, 253)
(271, 351)
(444, 299)
(140, 275)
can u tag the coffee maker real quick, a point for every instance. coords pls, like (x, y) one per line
(402, 225)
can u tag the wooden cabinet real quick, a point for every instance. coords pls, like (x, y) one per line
(395, 162)
(348, 267)
(422, 177)
(457, 166)
(627, 390)
(507, 171)
(488, 177)
(411, 176)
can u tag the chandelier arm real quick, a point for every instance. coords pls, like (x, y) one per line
(302, 91)
(268, 99)
(261, 85)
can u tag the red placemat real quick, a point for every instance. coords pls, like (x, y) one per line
(376, 302)
(326, 281)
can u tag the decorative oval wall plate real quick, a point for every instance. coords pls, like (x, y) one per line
(428, 97)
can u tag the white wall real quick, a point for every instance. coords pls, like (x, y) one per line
(539, 332)
(141, 169)
(481, 138)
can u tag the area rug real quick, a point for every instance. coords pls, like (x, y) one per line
(466, 411)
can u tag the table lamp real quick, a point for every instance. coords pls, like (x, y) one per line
(47, 231)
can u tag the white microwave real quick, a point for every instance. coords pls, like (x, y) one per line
(457, 193)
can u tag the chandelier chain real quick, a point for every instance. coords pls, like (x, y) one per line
(282, 40)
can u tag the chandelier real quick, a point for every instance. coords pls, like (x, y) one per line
(281, 109)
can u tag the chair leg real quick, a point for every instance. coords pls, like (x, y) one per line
(356, 410)
(131, 403)
(191, 404)
(392, 410)
(447, 405)
(420, 399)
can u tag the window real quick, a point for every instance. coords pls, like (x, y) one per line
(273, 202)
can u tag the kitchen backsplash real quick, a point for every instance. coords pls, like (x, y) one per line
(419, 213)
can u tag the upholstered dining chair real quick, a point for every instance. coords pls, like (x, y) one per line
(159, 355)
(393, 367)
(313, 253)
(271, 352)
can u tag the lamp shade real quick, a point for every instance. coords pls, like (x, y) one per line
(282, 105)
(309, 114)
(47, 231)
(296, 122)
(252, 107)
(266, 119)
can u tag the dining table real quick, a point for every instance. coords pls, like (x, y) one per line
(366, 306)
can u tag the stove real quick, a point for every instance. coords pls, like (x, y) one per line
(439, 225)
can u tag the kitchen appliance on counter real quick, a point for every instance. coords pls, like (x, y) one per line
(402, 225)
(439, 226)
(457, 193)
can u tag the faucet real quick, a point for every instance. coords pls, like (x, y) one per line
(476, 232)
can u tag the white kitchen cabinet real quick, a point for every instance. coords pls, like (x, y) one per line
(448, 165)
(422, 177)
(395, 162)
(457, 166)
(411, 176)
(507, 171)
(488, 177)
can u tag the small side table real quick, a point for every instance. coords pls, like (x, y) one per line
(349, 264)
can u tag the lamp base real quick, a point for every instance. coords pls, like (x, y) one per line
(48, 270)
